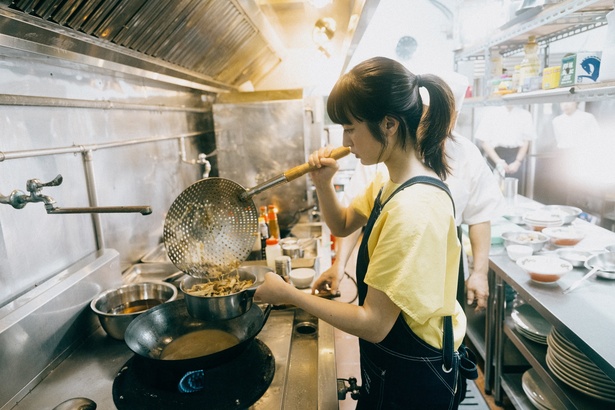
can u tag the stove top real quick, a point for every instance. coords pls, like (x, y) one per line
(302, 363)
(235, 385)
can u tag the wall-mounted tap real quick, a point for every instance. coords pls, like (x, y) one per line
(201, 158)
(18, 199)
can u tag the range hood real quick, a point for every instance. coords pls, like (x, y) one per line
(212, 45)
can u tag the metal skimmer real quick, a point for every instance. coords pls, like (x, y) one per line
(212, 225)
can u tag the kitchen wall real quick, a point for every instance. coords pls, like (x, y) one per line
(121, 130)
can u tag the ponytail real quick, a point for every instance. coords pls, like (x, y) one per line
(436, 124)
(379, 87)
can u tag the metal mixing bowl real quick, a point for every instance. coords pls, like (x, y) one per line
(576, 257)
(116, 308)
(535, 240)
(223, 307)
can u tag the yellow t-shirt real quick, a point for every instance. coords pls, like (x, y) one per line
(414, 256)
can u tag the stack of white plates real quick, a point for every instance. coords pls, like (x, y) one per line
(574, 368)
(538, 393)
(530, 324)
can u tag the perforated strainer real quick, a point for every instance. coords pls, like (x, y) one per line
(212, 225)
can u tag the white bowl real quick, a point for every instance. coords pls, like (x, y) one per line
(302, 277)
(544, 268)
(519, 251)
(564, 235)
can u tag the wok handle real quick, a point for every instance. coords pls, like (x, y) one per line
(303, 169)
(291, 174)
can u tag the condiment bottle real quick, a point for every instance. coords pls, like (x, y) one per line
(530, 65)
(272, 251)
(283, 266)
(274, 227)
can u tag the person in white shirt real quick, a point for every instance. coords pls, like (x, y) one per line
(504, 134)
(574, 128)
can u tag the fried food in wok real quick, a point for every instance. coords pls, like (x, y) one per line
(220, 287)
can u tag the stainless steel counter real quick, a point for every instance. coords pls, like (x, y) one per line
(584, 317)
(305, 373)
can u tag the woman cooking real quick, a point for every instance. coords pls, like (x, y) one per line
(409, 256)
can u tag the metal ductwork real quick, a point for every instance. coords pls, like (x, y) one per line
(214, 45)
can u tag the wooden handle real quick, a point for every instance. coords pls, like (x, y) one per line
(303, 169)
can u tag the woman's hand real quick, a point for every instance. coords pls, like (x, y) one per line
(326, 166)
(274, 290)
(327, 281)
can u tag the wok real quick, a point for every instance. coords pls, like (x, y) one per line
(212, 225)
(151, 334)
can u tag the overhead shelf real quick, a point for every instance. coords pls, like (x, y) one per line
(553, 23)
(589, 92)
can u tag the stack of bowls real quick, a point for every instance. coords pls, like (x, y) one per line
(567, 213)
(541, 219)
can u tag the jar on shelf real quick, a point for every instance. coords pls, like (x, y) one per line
(530, 66)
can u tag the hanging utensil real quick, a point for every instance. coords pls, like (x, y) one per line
(602, 264)
(212, 225)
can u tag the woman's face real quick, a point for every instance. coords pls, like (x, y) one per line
(362, 143)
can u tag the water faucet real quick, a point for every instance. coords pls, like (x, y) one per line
(18, 199)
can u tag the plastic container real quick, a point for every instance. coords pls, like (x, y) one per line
(272, 251)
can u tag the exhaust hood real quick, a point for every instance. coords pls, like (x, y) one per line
(212, 45)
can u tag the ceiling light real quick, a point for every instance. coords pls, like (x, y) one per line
(323, 31)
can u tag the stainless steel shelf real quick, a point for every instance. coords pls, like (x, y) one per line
(592, 92)
(551, 24)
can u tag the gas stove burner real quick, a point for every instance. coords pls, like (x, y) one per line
(237, 384)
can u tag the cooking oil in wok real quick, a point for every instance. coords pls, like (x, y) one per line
(135, 306)
(197, 344)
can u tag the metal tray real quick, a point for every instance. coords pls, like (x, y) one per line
(157, 255)
(143, 272)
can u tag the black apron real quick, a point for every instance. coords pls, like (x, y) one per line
(402, 371)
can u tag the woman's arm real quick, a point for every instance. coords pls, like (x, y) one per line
(340, 220)
(372, 321)
(477, 284)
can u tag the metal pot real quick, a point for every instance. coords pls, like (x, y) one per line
(223, 307)
(117, 308)
(605, 262)
(150, 334)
